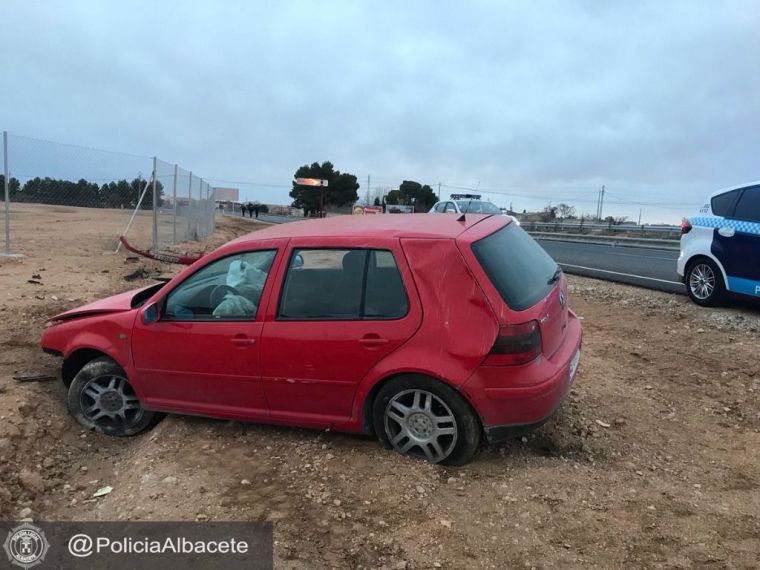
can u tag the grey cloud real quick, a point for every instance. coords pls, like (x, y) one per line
(549, 99)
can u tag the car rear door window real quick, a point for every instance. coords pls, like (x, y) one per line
(385, 297)
(748, 207)
(342, 284)
(450, 207)
(518, 267)
(723, 204)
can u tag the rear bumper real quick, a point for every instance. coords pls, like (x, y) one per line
(495, 434)
(515, 399)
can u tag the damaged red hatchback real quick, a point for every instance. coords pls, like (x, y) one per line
(428, 331)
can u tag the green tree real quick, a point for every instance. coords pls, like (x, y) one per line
(395, 197)
(118, 195)
(410, 192)
(14, 186)
(341, 190)
(138, 184)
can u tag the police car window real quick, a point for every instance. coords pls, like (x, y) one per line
(477, 207)
(440, 206)
(748, 207)
(228, 289)
(723, 204)
(450, 207)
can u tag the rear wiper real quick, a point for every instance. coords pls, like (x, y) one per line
(556, 276)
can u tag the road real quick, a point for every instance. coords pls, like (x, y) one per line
(645, 267)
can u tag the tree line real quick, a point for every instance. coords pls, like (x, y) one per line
(342, 190)
(115, 194)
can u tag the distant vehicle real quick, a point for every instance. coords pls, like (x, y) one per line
(720, 247)
(430, 333)
(465, 204)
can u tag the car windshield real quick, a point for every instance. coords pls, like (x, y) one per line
(478, 207)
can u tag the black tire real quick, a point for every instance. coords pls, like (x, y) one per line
(704, 282)
(423, 433)
(101, 398)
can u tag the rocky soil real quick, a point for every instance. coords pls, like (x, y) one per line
(652, 462)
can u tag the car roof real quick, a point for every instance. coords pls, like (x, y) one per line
(737, 187)
(378, 225)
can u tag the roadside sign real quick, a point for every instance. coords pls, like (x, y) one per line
(311, 182)
(367, 210)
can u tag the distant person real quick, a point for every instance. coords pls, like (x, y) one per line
(243, 207)
(256, 209)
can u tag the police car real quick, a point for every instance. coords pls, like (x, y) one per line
(464, 204)
(720, 247)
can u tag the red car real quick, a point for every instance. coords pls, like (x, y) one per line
(429, 331)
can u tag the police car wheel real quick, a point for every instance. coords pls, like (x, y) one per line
(704, 283)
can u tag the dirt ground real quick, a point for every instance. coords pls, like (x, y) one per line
(652, 462)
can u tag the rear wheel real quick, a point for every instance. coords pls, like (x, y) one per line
(704, 283)
(102, 399)
(424, 418)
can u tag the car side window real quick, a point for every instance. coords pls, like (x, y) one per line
(450, 207)
(385, 296)
(723, 204)
(440, 206)
(228, 289)
(748, 207)
(342, 284)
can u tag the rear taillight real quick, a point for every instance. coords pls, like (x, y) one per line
(685, 226)
(516, 344)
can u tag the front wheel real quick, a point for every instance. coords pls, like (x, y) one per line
(704, 283)
(424, 418)
(102, 399)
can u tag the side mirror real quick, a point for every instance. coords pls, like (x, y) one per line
(297, 261)
(150, 314)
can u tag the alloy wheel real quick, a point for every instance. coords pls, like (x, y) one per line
(110, 401)
(702, 281)
(419, 423)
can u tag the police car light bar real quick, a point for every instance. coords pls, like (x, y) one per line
(465, 196)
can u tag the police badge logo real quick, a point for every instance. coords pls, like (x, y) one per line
(26, 546)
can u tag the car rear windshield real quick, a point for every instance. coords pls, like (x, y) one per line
(517, 266)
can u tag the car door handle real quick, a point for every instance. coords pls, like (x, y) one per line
(242, 341)
(373, 341)
(727, 231)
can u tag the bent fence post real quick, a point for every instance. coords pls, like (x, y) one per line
(137, 209)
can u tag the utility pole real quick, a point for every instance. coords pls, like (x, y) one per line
(439, 191)
(598, 197)
(639, 216)
(368, 204)
(601, 204)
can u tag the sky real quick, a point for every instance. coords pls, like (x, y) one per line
(531, 103)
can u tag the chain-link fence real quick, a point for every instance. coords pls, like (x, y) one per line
(153, 203)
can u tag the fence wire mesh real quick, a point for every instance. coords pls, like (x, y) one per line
(110, 192)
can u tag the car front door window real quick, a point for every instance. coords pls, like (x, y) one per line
(227, 289)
